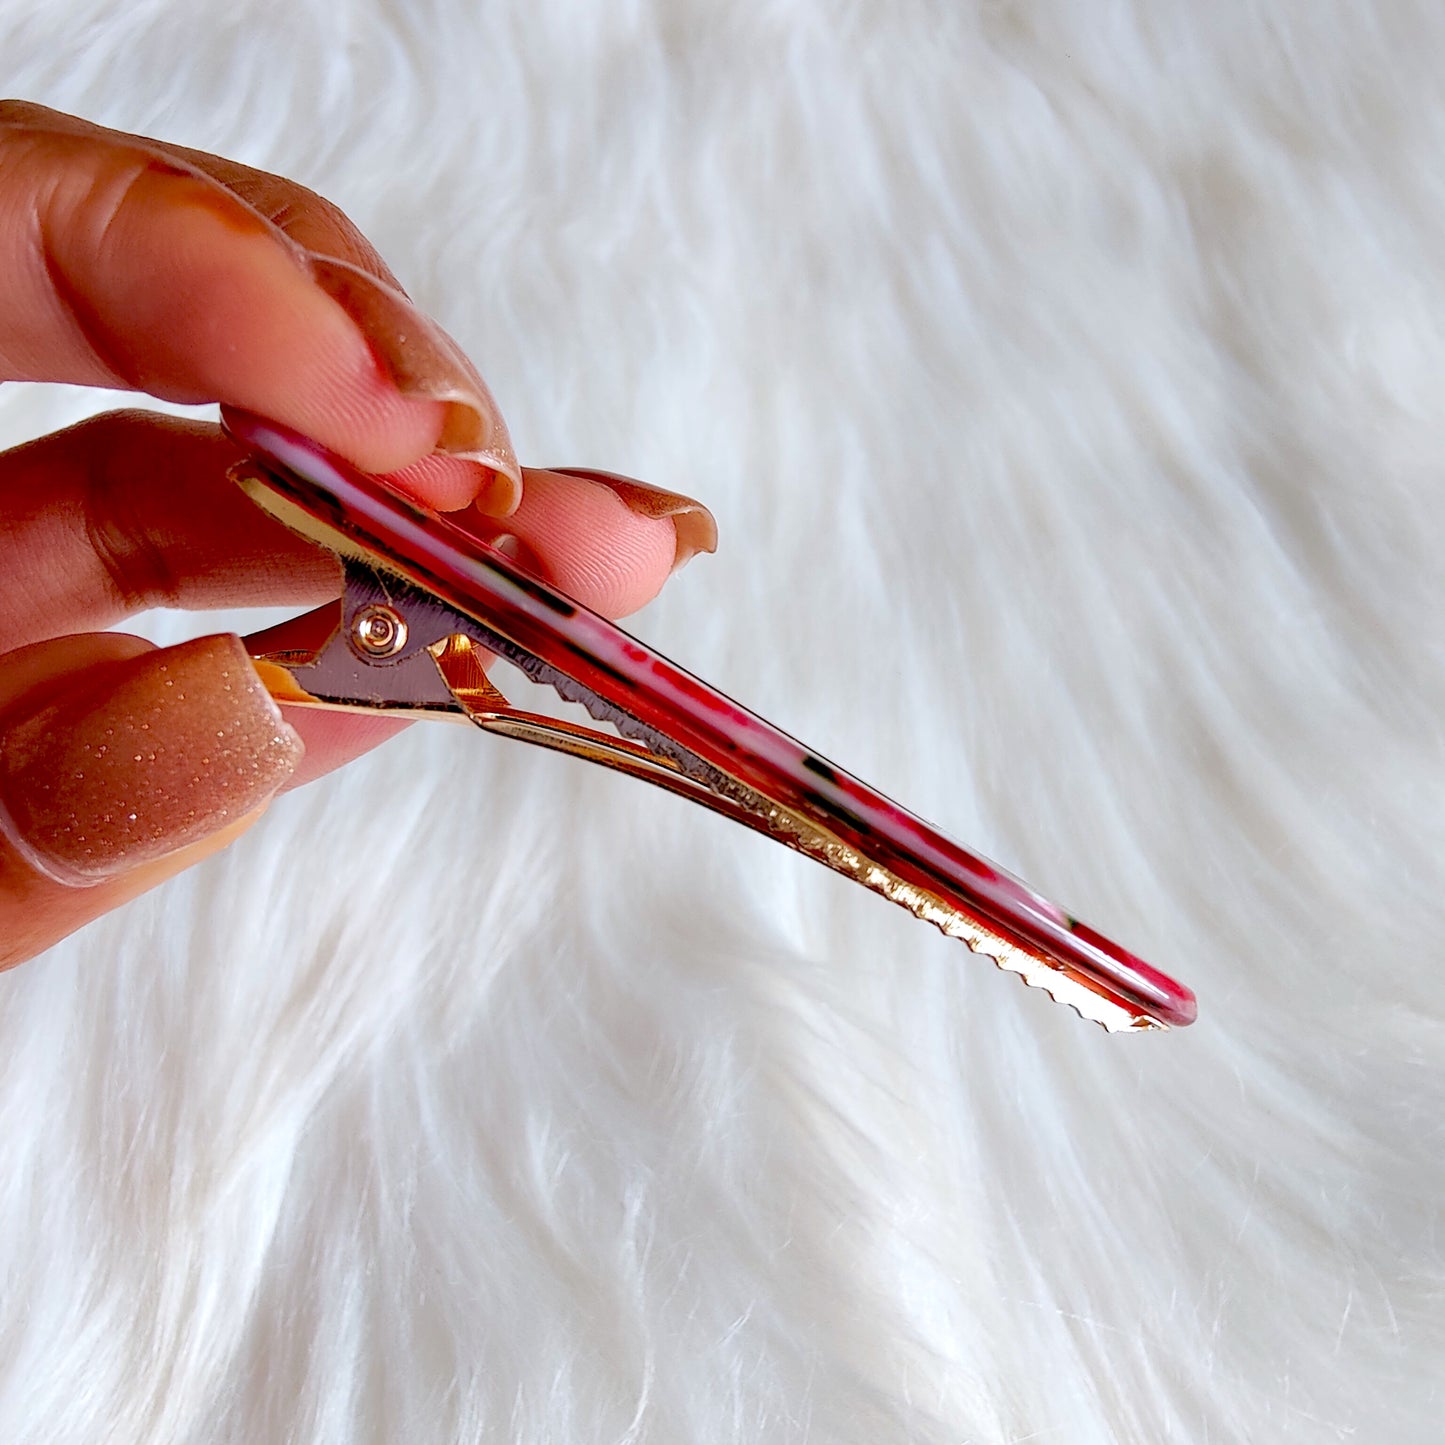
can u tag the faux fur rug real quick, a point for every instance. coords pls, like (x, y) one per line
(1068, 377)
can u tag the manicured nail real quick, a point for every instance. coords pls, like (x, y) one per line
(137, 759)
(695, 526)
(422, 360)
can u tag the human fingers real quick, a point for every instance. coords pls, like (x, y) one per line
(120, 765)
(133, 510)
(124, 262)
(606, 540)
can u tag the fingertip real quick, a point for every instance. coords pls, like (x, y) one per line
(694, 526)
(589, 544)
(361, 416)
(449, 483)
(500, 493)
(422, 360)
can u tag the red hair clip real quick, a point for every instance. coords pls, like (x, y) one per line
(424, 605)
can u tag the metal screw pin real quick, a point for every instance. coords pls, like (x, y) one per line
(378, 631)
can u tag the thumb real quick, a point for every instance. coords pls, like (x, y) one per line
(120, 765)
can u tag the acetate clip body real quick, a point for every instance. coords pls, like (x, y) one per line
(425, 603)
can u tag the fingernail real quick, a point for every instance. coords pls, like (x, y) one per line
(139, 758)
(513, 547)
(695, 526)
(423, 361)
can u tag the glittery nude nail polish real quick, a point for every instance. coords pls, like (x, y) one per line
(139, 758)
(694, 525)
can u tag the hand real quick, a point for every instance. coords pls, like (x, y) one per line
(125, 262)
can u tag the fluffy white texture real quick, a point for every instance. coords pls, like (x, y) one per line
(1069, 380)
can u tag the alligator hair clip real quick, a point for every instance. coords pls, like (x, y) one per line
(426, 606)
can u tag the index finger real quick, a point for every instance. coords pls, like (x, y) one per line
(307, 217)
(124, 263)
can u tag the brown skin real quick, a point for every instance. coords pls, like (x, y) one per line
(127, 262)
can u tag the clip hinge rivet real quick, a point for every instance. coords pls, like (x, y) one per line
(378, 631)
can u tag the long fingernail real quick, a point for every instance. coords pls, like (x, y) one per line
(422, 360)
(695, 526)
(139, 758)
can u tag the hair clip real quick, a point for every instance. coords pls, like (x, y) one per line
(426, 605)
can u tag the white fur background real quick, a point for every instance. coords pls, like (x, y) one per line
(1068, 377)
